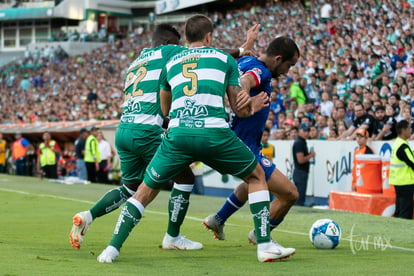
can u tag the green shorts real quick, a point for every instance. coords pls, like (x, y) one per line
(136, 148)
(218, 148)
(326, 19)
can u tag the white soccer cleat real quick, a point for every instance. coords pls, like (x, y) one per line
(212, 224)
(252, 238)
(108, 255)
(81, 222)
(180, 243)
(272, 252)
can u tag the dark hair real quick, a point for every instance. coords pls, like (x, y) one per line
(380, 107)
(266, 130)
(375, 56)
(401, 125)
(163, 34)
(283, 46)
(197, 27)
(396, 95)
(358, 103)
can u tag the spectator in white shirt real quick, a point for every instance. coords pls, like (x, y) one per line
(106, 155)
(326, 105)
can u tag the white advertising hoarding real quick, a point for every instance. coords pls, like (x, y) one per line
(165, 6)
(332, 170)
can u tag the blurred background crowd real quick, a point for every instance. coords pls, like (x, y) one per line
(356, 69)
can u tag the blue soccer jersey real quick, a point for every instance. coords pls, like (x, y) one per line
(250, 129)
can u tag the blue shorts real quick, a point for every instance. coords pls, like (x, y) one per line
(268, 166)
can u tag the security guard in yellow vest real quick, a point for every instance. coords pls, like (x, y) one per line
(48, 157)
(2, 154)
(92, 156)
(402, 172)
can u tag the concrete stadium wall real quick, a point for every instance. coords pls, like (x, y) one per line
(72, 48)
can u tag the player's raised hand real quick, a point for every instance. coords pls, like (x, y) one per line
(253, 32)
(250, 40)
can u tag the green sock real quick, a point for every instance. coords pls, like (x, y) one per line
(259, 207)
(110, 201)
(177, 207)
(129, 217)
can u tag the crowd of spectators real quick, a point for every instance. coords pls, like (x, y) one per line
(356, 69)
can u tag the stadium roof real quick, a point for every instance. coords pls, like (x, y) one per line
(74, 9)
(24, 13)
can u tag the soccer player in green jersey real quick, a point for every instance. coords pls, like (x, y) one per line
(193, 87)
(138, 136)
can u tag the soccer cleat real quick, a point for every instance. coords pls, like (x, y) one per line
(108, 255)
(180, 243)
(273, 252)
(252, 238)
(81, 222)
(212, 224)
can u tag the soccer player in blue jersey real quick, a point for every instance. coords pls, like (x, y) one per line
(257, 74)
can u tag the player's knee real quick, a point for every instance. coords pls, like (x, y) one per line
(185, 177)
(289, 196)
(132, 187)
(241, 192)
(293, 194)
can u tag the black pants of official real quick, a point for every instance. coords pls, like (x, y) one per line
(91, 169)
(300, 178)
(103, 172)
(50, 171)
(404, 201)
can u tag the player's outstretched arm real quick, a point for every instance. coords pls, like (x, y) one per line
(251, 37)
(247, 47)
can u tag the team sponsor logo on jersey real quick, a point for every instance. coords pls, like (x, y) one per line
(188, 116)
(131, 107)
(192, 110)
(143, 59)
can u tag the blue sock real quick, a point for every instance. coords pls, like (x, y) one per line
(274, 223)
(229, 207)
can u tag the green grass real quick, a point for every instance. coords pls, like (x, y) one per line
(36, 219)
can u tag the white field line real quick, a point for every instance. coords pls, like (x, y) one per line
(187, 217)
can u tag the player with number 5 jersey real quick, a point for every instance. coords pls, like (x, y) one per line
(199, 79)
(138, 136)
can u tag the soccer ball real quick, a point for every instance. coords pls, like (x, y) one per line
(325, 234)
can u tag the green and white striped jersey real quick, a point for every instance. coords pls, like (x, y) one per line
(141, 106)
(198, 79)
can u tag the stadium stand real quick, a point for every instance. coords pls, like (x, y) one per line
(46, 85)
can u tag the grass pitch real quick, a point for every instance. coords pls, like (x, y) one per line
(36, 220)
